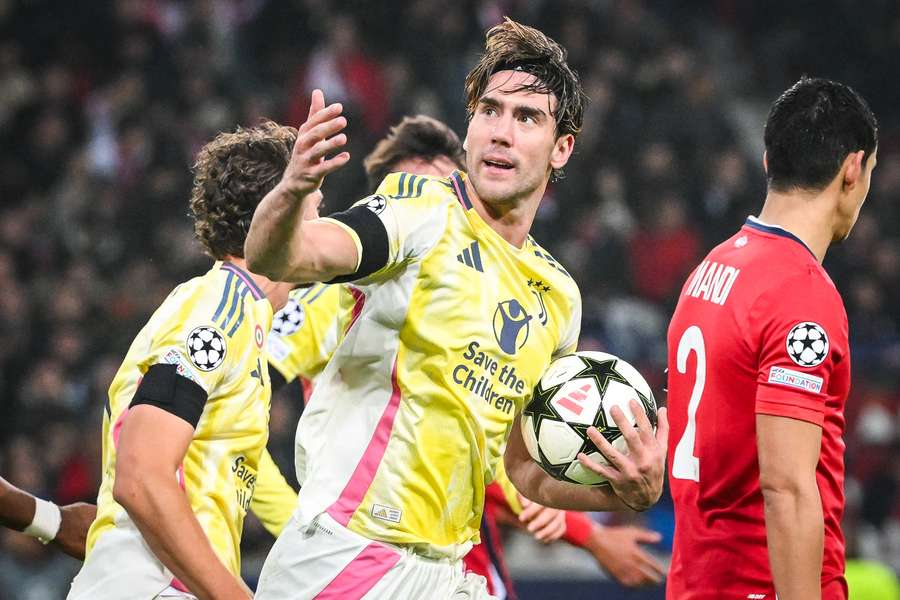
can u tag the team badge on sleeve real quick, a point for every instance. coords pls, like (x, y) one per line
(376, 204)
(807, 344)
(206, 348)
(289, 319)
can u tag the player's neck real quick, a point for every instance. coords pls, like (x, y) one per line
(275, 291)
(511, 221)
(802, 214)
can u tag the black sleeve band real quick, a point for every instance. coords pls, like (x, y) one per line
(372, 237)
(276, 379)
(164, 388)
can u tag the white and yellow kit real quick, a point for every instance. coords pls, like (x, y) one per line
(208, 337)
(451, 327)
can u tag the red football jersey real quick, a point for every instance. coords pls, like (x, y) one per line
(759, 329)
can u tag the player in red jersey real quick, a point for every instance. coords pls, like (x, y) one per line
(759, 370)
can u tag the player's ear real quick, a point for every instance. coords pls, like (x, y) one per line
(766, 162)
(853, 169)
(562, 150)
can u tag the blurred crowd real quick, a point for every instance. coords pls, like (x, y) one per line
(103, 105)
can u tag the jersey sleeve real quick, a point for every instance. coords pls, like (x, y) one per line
(569, 341)
(274, 500)
(800, 330)
(394, 226)
(197, 332)
(307, 331)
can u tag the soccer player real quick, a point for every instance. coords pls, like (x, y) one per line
(64, 526)
(411, 415)
(185, 428)
(759, 370)
(307, 331)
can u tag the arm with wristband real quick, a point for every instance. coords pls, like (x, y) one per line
(65, 526)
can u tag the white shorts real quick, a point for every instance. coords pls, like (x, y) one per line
(121, 567)
(170, 592)
(326, 561)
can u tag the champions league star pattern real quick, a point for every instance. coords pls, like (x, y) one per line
(541, 408)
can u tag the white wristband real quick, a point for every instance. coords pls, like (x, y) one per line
(45, 524)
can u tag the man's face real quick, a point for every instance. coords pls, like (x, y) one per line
(439, 166)
(849, 212)
(511, 141)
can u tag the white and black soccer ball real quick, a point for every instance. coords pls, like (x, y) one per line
(577, 391)
(206, 348)
(289, 319)
(807, 344)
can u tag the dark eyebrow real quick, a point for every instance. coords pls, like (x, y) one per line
(489, 101)
(529, 111)
(521, 109)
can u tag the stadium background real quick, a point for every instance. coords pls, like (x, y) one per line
(103, 104)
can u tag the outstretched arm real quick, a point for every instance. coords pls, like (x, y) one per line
(38, 518)
(635, 478)
(286, 242)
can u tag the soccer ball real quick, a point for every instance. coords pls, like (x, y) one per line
(577, 391)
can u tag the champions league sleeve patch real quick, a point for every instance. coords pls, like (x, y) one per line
(807, 344)
(206, 348)
(289, 319)
(376, 203)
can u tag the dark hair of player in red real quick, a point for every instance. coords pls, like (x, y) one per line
(811, 129)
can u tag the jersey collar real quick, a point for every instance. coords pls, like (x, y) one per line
(754, 223)
(244, 276)
(459, 186)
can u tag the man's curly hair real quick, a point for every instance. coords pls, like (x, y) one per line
(231, 176)
(513, 46)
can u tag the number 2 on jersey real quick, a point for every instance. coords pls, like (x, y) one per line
(684, 464)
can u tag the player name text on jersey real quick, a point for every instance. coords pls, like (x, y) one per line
(713, 282)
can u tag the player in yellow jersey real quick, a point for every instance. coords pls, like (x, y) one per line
(186, 424)
(460, 312)
(309, 328)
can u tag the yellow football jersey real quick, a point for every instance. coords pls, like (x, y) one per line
(212, 329)
(409, 419)
(307, 330)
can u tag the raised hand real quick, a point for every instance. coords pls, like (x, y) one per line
(636, 477)
(318, 137)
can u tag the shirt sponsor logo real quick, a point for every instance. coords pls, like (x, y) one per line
(791, 378)
(386, 513)
(512, 325)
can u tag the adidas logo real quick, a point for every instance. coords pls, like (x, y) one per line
(575, 398)
(471, 257)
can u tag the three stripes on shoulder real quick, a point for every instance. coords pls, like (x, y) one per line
(471, 257)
